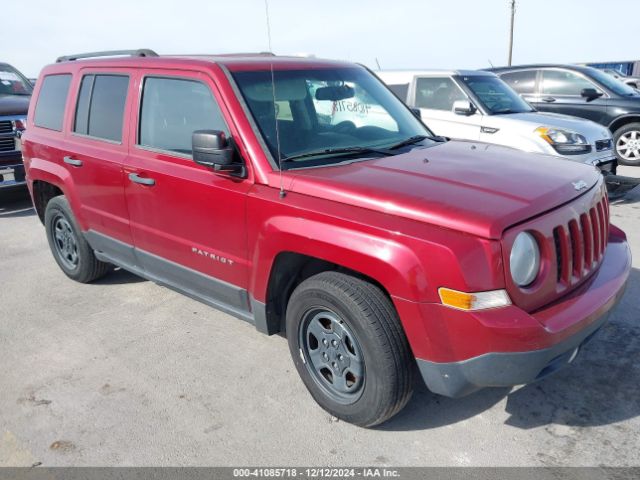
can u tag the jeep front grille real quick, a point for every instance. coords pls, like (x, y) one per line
(580, 244)
(7, 144)
(572, 240)
(6, 126)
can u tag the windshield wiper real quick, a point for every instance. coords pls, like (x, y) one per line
(416, 139)
(337, 151)
(351, 150)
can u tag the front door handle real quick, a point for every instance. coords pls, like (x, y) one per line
(548, 99)
(72, 161)
(134, 177)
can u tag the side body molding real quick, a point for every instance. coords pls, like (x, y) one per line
(221, 295)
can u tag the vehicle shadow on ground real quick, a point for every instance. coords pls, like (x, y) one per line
(632, 196)
(602, 386)
(119, 276)
(16, 204)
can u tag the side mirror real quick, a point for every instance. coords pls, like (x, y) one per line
(463, 107)
(211, 149)
(590, 94)
(416, 112)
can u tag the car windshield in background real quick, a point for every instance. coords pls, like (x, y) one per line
(12, 83)
(612, 83)
(326, 113)
(495, 95)
(615, 73)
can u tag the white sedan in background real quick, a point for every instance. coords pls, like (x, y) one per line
(477, 105)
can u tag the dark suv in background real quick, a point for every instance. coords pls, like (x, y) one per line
(583, 92)
(15, 93)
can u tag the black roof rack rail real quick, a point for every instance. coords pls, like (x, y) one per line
(234, 54)
(142, 52)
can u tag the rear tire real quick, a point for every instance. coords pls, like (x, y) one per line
(627, 144)
(70, 250)
(349, 348)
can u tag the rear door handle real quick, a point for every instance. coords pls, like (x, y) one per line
(548, 99)
(72, 161)
(134, 177)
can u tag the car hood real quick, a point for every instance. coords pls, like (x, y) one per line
(14, 105)
(476, 188)
(529, 121)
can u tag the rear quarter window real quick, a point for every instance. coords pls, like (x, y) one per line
(400, 89)
(51, 101)
(522, 82)
(101, 104)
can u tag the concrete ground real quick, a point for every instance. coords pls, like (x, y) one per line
(124, 372)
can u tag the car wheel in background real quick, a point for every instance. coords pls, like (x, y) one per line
(627, 144)
(70, 249)
(349, 348)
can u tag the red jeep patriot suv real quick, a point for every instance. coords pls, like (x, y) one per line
(302, 196)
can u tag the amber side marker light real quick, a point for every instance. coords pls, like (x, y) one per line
(474, 301)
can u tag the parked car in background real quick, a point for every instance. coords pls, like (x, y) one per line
(582, 92)
(15, 93)
(477, 105)
(629, 80)
(371, 244)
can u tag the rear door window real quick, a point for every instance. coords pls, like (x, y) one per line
(51, 101)
(400, 89)
(172, 109)
(101, 104)
(437, 93)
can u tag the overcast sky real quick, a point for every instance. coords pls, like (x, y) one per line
(400, 33)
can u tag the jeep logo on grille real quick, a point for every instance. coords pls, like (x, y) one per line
(579, 185)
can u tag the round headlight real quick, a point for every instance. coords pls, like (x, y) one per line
(524, 259)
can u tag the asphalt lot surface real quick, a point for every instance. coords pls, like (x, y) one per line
(124, 372)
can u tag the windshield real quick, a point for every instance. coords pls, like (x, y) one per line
(13, 83)
(612, 83)
(320, 110)
(495, 96)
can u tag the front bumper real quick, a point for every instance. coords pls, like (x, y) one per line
(607, 165)
(12, 174)
(618, 185)
(605, 159)
(457, 379)
(530, 346)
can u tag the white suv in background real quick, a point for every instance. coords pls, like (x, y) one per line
(631, 81)
(477, 105)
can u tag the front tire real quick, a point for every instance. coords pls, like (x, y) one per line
(349, 348)
(627, 144)
(70, 250)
